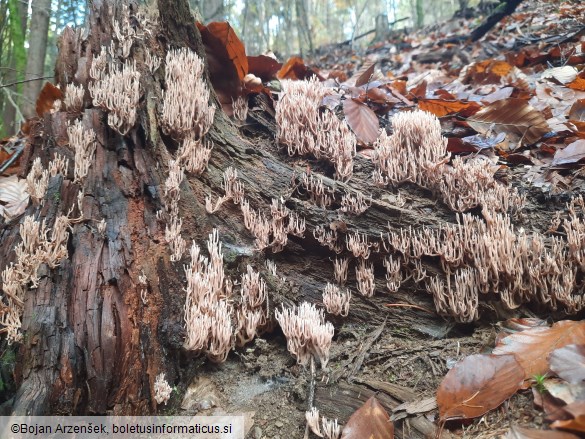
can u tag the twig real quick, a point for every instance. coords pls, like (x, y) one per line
(19, 115)
(26, 80)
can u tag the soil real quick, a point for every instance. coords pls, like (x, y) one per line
(263, 382)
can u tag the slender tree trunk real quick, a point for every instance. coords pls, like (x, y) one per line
(18, 16)
(212, 10)
(37, 49)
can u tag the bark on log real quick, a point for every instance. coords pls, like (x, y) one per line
(91, 346)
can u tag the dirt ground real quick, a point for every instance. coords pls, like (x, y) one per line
(264, 383)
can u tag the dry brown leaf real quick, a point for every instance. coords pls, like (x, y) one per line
(370, 421)
(571, 154)
(295, 68)
(263, 67)
(46, 100)
(568, 363)
(362, 120)
(533, 346)
(233, 46)
(440, 107)
(364, 75)
(513, 117)
(577, 111)
(577, 410)
(486, 72)
(517, 432)
(478, 384)
(225, 65)
(14, 197)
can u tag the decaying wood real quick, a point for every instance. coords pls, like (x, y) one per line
(341, 400)
(91, 345)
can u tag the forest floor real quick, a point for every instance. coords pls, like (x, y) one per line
(403, 362)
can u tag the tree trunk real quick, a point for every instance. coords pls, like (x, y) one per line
(382, 28)
(18, 18)
(505, 8)
(91, 345)
(37, 49)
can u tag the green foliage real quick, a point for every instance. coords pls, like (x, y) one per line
(539, 382)
(17, 36)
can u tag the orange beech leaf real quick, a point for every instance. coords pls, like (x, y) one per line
(400, 86)
(568, 363)
(49, 94)
(234, 47)
(362, 120)
(444, 94)
(533, 346)
(419, 91)
(570, 155)
(487, 72)
(264, 67)
(223, 72)
(338, 75)
(578, 83)
(478, 384)
(440, 107)
(511, 116)
(295, 68)
(369, 421)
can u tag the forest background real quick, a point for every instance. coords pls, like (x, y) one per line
(29, 31)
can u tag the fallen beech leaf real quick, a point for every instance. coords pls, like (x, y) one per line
(364, 75)
(577, 84)
(563, 75)
(481, 142)
(577, 111)
(533, 346)
(264, 67)
(498, 95)
(234, 47)
(478, 384)
(440, 107)
(561, 390)
(362, 120)
(419, 91)
(577, 410)
(444, 94)
(517, 432)
(14, 197)
(549, 404)
(568, 363)
(511, 116)
(522, 324)
(370, 421)
(455, 144)
(47, 97)
(486, 72)
(295, 68)
(225, 65)
(571, 154)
